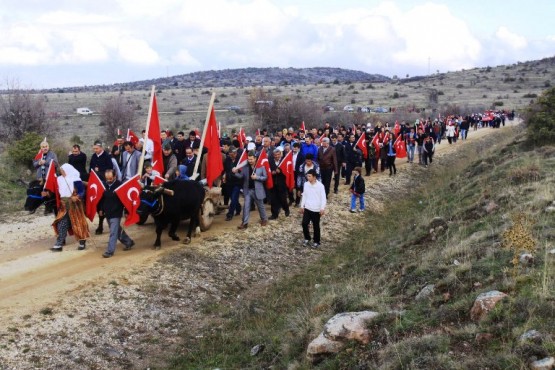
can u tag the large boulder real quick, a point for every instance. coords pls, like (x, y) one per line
(484, 303)
(338, 330)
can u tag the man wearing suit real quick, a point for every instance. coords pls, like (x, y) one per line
(130, 161)
(253, 190)
(189, 161)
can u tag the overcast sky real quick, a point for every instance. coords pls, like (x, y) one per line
(64, 43)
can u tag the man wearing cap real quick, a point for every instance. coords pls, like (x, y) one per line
(100, 160)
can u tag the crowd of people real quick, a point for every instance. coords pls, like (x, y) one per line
(321, 159)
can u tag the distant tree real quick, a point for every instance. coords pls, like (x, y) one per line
(117, 114)
(21, 112)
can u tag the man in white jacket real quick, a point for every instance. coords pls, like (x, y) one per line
(313, 204)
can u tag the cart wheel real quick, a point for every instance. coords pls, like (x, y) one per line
(207, 214)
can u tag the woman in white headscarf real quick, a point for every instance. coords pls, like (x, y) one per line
(71, 213)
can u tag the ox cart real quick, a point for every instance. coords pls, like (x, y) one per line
(213, 205)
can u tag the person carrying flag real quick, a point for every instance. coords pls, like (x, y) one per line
(232, 182)
(253, 177)
(42, 161)
(111, 207)
(71, 213)
(278, 193)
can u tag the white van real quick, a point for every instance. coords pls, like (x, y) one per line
(84, 111)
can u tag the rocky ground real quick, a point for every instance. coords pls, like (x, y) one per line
(133, 315)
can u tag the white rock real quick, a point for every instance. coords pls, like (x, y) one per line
(484, 303)
(426, 292)
(543, 364)
(526, 259)
(323, 346)
(349, 325)
(532, 335)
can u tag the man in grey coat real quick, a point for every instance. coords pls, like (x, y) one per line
(129, 161)
(253, 189)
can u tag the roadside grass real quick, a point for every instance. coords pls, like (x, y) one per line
(384, 264)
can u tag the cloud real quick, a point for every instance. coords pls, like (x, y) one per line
(510, 39)
(183, 57)
(137, 52)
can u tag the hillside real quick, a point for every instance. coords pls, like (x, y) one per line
(241, 77)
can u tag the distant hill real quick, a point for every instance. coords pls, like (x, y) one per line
(241, 77)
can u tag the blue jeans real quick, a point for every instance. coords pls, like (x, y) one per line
(410, 153)
(354, 198)
(116, 233)
(234, 205)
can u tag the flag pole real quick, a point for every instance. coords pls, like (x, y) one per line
(142, 160)
(197, 162)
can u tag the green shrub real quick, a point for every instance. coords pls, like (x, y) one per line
(24, 150)
(540, 119)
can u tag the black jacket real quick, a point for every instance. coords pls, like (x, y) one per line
(110, 203)
(103, 162)
(358, 185)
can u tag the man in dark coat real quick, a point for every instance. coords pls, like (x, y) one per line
(111, 207)
(340, 155)
(100, 160)
(327, 159)
(78, 160)
(278, 193)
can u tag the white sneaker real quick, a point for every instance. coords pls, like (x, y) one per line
(306, 243)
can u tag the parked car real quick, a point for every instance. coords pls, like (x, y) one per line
(84, 111)
(381, 110)
(328, 108)
(234, 108)
(365, 109)
(348, 108)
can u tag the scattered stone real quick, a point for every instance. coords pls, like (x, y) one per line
(426, 292)
(350, 325)
(484, 303)
(531, 335)
(446, 296)
(490, 207)
(552, 251)
(544, 364)
(526, 259)
(257, 349)
(456, 262)
(477, 284)
(322, 346)
(550, 209)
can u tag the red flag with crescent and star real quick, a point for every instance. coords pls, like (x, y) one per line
(286, 167)
(130, 195)
(303, 127)
(263, 162)
(95, 191)
(214, 165)
(242, 138)
(132, 137)
(376, 145)
(154, 135)
(51, 183)
(400, 148)
(361, 144)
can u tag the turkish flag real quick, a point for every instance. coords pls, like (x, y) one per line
(361, 144)
(400, 147)
(158, 180)
(242, 159)
(51, 183)
(95, 191)
(376, 145)
(263, 162)
(322, 137)
(214, 166)
(132, 137)
(303, 127)
(242, 138)
(286, 167)
(396, 128)
(154, 135)
(116, 141)
(258, 132)
(38, 157)
(130, 195)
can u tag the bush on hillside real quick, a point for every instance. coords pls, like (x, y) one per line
(540, 119)
(24, 150)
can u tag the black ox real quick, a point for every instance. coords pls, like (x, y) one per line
(185, 203)
(35, 199)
